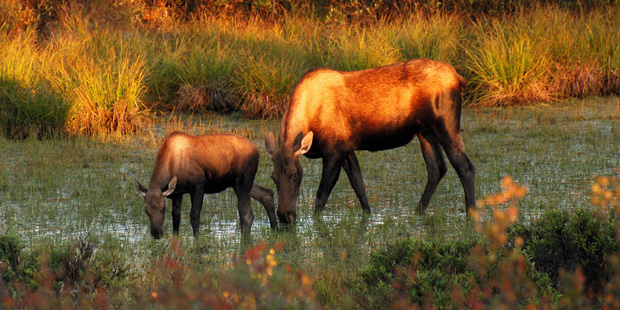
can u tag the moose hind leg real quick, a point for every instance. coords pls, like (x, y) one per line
(435, 166)
(352, 167)
(329, 177)
(265, 197)
(465, 169)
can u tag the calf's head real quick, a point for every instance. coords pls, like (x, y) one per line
(155, 199)
(287, 173)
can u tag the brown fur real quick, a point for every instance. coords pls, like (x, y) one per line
(201, 165)
(374, 109)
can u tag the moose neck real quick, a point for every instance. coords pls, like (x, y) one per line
(291, 127)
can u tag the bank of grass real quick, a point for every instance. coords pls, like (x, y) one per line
(108, 68)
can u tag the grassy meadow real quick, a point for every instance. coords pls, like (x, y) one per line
(65, 197)
(89, 89)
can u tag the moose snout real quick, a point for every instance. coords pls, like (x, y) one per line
(156, 233)
(287, 217)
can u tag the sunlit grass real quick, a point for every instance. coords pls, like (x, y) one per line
(507, 66)
(108, 70)
(29, 106)
(435, 37)
(103, 81)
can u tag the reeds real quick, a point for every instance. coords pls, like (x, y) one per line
(109, 69)
(28, 105)
(506, 66)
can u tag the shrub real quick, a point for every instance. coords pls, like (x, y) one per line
(420, 271)
(562, 240)
(16, 266)
(10, 249)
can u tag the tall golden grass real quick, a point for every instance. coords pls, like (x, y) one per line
(113, 63)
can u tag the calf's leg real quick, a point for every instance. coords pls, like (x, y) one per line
(465, 169)
(246, 217)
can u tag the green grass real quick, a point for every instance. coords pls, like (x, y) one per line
(58, 191)
(507, 66)
(30, 107)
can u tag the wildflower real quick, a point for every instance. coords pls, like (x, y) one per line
(271, 262)
(305, 280)
(519, 242)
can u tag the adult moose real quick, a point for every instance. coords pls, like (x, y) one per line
(201, 165)
(332, 114)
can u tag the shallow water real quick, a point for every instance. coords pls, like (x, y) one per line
(56, 191)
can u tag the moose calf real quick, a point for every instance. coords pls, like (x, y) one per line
(201, 165)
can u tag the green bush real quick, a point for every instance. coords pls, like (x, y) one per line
(421, 271)
(551, 254)
(562, 240)
(16, 266)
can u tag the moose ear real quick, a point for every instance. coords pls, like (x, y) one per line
(303, 147)
(270, 143)
(140, 189)
(171, 186)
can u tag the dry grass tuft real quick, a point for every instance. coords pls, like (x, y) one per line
(195, 98)
(264, 106)
(578, 80)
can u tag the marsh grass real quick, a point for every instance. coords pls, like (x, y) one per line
(508, 67)
(57, 191)
(435, 37)
(29, 106)
(103, 81)
(108, 68)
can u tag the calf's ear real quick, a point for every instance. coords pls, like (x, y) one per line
(140, 189)
(270, 143)
(171, 186)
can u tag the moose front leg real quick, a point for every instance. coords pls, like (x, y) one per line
(329, 177)
(194, 214)
(176, 213)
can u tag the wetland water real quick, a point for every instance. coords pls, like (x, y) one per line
(53, 191)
